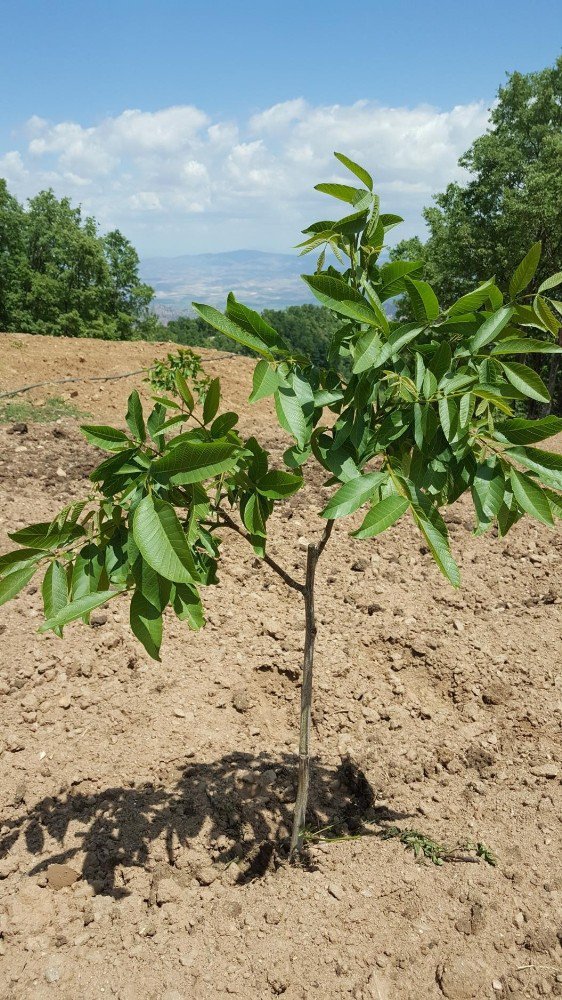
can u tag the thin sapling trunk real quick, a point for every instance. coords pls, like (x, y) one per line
(299, 818)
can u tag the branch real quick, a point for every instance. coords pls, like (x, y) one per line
(286, 577)
(324, 540)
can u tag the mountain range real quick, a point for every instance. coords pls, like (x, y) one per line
(261, 280)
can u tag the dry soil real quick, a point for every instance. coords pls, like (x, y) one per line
(161, 788)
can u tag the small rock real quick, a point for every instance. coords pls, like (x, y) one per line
(241, 701)
(545, 771)
(207, 875)
(458, 625)
(52, 973)
(61, 876)
(336, 890)
(179, 713)
(61, 473)
(98, 618)
(302, 543)
(497, 986)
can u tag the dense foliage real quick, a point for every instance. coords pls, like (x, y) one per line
(59, 276)
(425, 415)
(513, 198)
(308, 329)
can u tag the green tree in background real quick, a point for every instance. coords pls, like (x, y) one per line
(513, 198)
(59, 276)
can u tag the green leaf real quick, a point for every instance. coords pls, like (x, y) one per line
(521, 431)
(108, 438)
(525, 272)
(154, 424)
(530, 497)
(265, 381)
(54, 590)
(13, 582)
(392, 276)
(352, 495)
(359, 171)
(161, 541)
(291, 416)
(87, 571)
(254, 324)
(276, 484)
(472, 300)
(525, 345)
(441, 361)
(45, 535)
(366, 351)
(187, 606)
(424, 300)
(232, 330)
(341, 298)
(491, 327)
(212, 401)
(135, 419)
(184, 391)
(526, 380)
(149, 600)
(343, 192)
(449, 417)
(79, 608)
(223, 424)
(19, 558)
(552, 282)
(546, 464)
(488, 490)
(382, 516)
(432, 526)
(195, 461)
(545, 315)
(398, 339)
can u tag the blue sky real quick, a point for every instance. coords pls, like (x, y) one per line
(198, 127)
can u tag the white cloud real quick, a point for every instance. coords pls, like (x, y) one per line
(176, 181)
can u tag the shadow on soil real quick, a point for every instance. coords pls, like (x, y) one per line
(246, 800)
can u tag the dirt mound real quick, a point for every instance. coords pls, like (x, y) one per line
(163, 786)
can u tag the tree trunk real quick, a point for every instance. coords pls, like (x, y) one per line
(299, 817)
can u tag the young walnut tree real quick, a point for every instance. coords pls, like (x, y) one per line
(403, 420)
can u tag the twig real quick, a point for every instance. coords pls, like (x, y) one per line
(100, 378)
(286, 577)
(62, 381)
(324, 540)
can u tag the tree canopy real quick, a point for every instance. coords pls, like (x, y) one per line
(512, 199)
(58, 275)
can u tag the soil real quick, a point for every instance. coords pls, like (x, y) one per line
(141, 802)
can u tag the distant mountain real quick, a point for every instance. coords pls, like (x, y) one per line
(261, 280)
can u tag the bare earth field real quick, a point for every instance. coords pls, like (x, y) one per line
(163, 785)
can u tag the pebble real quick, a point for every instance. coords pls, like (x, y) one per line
(52, 973)
(61, 876)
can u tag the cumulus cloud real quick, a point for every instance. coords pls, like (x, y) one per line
(177, 181)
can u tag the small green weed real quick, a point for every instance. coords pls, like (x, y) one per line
(438, 854)
(23, 411)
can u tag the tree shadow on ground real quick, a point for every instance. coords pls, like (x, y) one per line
(242, 802)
